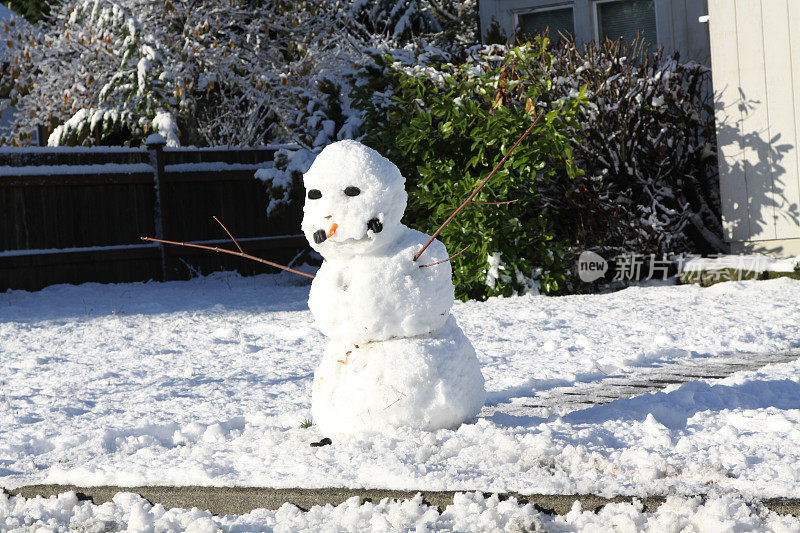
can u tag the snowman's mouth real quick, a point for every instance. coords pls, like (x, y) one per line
(373, 225)
(350, 240)
(320, 237)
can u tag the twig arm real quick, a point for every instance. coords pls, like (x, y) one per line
(477, 190)
(495, 203)
(232, 252)
(229, 234)
(464, 249)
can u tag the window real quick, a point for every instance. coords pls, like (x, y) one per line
(627, 19)
(551, 21)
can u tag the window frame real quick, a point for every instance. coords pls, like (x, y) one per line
(555, 6)
(596, 18)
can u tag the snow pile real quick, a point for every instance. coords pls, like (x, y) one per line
(164, 123)
(155, 138)
(469, 512)
(369, 291)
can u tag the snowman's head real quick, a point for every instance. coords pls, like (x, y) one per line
(355, 199)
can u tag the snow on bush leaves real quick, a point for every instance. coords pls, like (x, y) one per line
(226, 72)
(647, 146)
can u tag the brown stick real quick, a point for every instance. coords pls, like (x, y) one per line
(229, 234)
(449, 258)
(231, 252)
(495, 203)
(476, 191)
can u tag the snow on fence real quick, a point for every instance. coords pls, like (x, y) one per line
(74, 215)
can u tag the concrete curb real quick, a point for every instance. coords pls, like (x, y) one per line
(241, 500)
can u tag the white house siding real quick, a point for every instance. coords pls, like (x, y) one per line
(755, 56)
(677, 22)
(679, 28)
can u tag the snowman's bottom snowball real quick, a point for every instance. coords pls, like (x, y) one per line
(427, 382)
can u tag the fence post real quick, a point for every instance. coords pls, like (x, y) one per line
(155, 146)
(41, 137)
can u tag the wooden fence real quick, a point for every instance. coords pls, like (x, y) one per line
(74, 215)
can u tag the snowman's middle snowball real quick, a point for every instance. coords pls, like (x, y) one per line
(376, 297)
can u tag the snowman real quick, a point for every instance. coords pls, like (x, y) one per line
(395, 355)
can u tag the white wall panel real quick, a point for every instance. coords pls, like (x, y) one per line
(780, 104)
(728, 115)
(755, 60)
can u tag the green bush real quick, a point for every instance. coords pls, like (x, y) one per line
(446, 127)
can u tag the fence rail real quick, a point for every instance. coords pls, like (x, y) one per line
(77, 215)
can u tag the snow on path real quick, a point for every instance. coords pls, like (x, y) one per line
(637, 382)
(206, 382)
(469, 512)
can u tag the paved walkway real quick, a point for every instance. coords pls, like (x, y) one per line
(241, 500)
(563, 400)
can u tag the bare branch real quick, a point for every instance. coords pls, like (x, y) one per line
(231, 252)
(495, 203)
(229, 234)
(449, 258)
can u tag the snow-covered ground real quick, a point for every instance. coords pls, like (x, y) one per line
(208, 381)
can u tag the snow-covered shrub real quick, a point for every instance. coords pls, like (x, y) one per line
(284, 180)
(448, 24)
(398, 20)
(647, 146)
(102, 71)
(205, 72)
(446, 126)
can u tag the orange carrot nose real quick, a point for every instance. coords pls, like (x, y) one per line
(332, 230)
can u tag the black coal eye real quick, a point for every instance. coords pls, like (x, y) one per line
(352, 191)
(314, 194)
